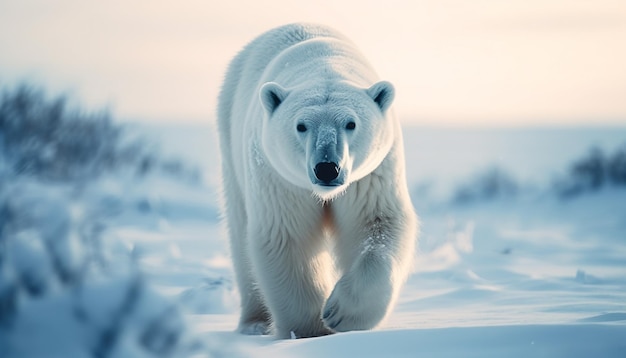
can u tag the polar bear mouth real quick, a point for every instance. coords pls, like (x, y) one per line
(327, 191)
(328, 184)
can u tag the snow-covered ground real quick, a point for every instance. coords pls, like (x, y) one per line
(530, 274)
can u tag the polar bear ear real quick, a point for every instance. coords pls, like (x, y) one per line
(272, 95)
(382, 93)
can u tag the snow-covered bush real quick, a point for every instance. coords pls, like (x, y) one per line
(45, 138)
(68, 287)
(590, 173)
(488, 185)
(593, 172)
(617, 167)
(49, 139)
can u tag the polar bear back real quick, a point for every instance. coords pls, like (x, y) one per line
(295, 45)
(251, 62)
(316, 59)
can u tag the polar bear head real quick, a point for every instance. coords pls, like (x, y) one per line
(325, 136)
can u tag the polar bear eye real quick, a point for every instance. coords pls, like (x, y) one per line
(301, 128)
(351, 125)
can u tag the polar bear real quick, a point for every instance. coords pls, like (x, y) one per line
(321, 226)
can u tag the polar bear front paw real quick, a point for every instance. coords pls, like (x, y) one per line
(347, 310)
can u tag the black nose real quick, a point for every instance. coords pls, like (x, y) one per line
(326, 171)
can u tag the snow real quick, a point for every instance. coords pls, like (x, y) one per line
(483, 341)
(515, 275)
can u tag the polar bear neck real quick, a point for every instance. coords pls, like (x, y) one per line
(328, 221)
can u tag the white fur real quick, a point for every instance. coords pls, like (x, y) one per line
(295, 233)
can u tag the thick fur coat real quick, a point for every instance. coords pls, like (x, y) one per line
(321, 226)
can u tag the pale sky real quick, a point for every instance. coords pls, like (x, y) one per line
(453, 62)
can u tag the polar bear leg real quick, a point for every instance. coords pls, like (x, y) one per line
(294, 277)
(363, 295)
(374, 251)
(255, 317)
